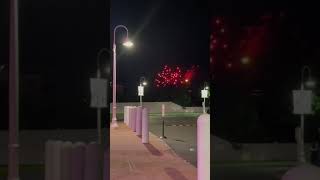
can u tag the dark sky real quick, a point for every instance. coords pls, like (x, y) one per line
(292, 42)
(164, 32)
(59, 42)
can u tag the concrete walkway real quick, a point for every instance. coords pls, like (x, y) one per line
(132, 160)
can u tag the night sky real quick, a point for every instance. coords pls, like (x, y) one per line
(59, 41)
(256, 98)
(165, 33)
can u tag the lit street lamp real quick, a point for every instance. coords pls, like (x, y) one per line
(142, 83)
(309, 83)
(128, 44)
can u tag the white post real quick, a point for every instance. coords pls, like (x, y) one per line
(139, 121)
(66, 161)
(145, 125)
(126, 114)
(56, 160)
(133, 118)
(49, 160)
(140, 100)
(77, 168)
(203, 147)
(163, 110)
(93, 168)
(114, 87)
(302, 155)
(204, 106)
(114, 123)
(130, 116)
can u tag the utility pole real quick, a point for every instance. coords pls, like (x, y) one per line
(13, 145)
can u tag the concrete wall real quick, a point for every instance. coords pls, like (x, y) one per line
(155, 107)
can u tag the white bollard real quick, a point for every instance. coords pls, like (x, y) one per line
(203, 147)
(139, 121)
(56, 164)
(93, 162)
(132, 118)
(65, 160)
(126, 115)
(129, 117)
(49, 159)
(77, 161)
(145, 125)
(163, 110)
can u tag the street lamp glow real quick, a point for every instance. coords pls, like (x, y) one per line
(144, 83)
(245, 60)
(128, 43)
(310, 83)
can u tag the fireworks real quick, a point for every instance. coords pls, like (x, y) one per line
(168, 77)
(174, 76)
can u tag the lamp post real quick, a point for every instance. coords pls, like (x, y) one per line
(13, 142)
(309, 83)
(204, 95)
(2, 68)
(127, 43)
(142, 83)
(98, 108)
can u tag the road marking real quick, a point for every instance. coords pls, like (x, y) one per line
(131, 166)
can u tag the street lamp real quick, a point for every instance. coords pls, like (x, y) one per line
(99, 108)
(142, 83)
(128, 44)
(309, 83)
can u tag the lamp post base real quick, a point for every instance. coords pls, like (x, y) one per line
(114, 124)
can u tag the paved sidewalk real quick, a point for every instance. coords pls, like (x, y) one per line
(132, 160)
